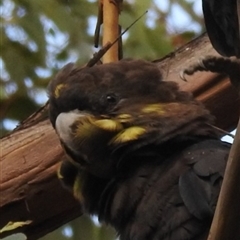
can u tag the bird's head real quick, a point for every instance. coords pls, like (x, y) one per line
(125, 105)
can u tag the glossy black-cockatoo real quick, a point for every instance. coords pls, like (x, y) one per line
(141, 154)
(222, 24)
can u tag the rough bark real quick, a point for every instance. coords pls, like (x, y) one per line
(30, 154)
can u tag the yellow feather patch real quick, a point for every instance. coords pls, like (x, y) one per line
(108, 125)
(59, 175)
(158, 108)
(85, 127)
(129, 134)
(77, 189)
(124, 118)
(58, 88)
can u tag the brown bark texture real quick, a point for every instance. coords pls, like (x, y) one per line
(29, 188)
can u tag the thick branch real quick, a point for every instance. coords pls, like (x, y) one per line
(29, 157)
(29, 187)
(226, 219)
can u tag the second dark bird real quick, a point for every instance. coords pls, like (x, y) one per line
(222, 24)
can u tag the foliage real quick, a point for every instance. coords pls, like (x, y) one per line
(39, 37)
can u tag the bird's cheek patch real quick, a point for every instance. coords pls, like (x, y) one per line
(83, 130)
(58, 89)
(88, 129)
(153, 108)
(108, 125)
(129, 134)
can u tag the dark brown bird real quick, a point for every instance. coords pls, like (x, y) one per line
(222, 24)
(142, 154)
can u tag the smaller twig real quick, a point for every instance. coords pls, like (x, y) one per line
(222, 131)
(99, 23)
(98, 55)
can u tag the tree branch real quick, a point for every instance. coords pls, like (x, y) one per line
(111, 9)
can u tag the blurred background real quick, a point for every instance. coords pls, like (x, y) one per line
(40, 37)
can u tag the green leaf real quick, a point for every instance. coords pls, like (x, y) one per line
(13, 225)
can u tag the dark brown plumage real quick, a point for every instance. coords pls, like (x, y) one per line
(222, 24)
(142, 154)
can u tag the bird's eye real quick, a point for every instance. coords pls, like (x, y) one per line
(111, 98)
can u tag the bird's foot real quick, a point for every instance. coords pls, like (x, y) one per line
(228, 66)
